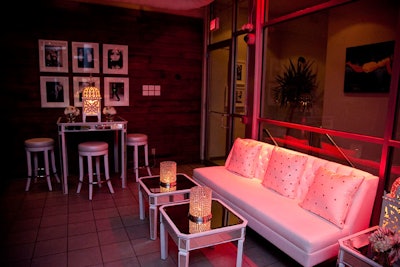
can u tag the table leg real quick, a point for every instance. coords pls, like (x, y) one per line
(239, 257)
(163, 240)
(141, 204)
(116, 153)
(123, 157)
(183, 258)
(340, 259)
(153, 221)
(64, 160)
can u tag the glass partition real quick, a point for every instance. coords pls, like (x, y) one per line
(323, 40)
(350, 152)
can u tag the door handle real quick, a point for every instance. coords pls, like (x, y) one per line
(223, 121)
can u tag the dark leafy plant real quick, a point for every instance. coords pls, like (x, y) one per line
(296, 86)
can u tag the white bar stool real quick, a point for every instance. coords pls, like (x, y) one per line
(35, 146)
(135, 140)
(93, 149)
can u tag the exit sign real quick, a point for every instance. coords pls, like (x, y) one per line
(214, 24)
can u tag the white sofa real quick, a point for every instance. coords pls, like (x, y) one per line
(300, 203)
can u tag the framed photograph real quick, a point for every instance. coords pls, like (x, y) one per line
(53, 56)
(368, 68)
(240, 96)
(54, 91)
(241, 72)
(115, 59)
(79, 84)
(85, 57)
(116, 91)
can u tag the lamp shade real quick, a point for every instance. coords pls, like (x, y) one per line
(200, 209)
(91, 103)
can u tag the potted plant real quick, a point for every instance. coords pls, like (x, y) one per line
(296, 86)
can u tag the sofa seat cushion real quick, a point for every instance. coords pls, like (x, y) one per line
(282, 215)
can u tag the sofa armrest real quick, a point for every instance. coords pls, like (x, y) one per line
(359, 216)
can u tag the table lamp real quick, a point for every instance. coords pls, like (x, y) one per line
(167, 176)
(390, 210)
(200, 209)
(91, 102)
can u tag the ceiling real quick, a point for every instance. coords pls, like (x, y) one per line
(193, 8)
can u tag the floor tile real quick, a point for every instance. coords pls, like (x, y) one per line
(52, 246)
(83, 241)
(117, 251)
(52, 232)
(84, 257)
(112, 236)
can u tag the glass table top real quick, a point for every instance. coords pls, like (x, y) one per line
(221, 216)
(153, 183)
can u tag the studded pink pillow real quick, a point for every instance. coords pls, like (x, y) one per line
(244, 157)
(284, 171)
(330, 195)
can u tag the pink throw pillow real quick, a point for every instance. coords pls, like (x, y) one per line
(284, 171)
(330, 195)
(244, 157)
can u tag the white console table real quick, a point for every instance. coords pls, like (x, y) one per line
(119, 126)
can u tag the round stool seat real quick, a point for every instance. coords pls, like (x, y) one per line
(93, 149)
(44, 146)
(93, 146)
(39, 142)
(136, 139)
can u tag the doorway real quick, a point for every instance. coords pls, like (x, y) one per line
(226, 103)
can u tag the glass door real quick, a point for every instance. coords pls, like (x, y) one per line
(226, 91)
(226, 104)
(218, 98)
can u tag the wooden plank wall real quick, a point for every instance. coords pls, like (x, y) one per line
(164, 50)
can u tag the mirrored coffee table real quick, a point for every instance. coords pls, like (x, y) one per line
(226, 226)
(149, 189)
(355, 250)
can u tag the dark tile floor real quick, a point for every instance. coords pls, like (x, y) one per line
(42, 228)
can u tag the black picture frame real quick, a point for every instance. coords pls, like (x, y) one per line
(368, 68)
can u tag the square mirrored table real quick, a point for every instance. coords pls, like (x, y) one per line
(355, 250)
(226, 226)
(149, 188)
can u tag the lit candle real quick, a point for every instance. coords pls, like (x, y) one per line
(200, 209)
(167, 176)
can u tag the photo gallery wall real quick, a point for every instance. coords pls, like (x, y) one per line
(53, 58)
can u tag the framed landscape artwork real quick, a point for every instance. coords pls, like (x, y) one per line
(54, 91)
(116, 91)
(53, 56)
(368, 68)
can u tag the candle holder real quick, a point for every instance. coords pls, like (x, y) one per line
(167, 176)
(200, 209)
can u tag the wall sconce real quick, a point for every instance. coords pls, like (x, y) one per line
(200, 209)
(91, 103)
(167, 176)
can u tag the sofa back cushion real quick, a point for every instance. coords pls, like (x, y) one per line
(263, 160)
(330, 195)
(243, 157)
(284, 170)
